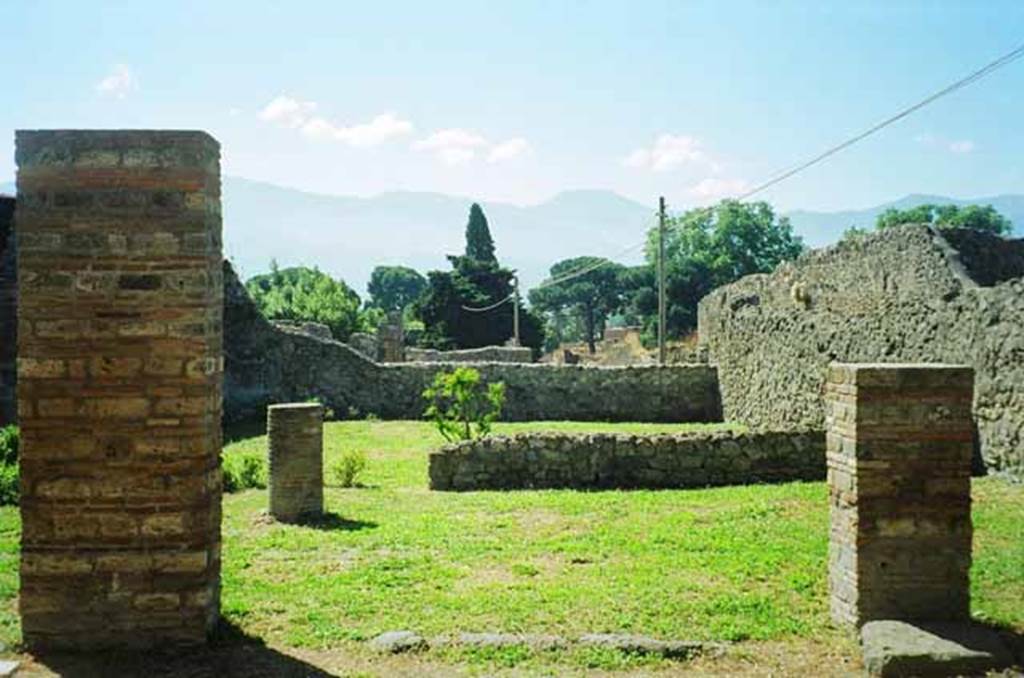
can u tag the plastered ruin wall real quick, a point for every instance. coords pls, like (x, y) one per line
(267, 364)
(607, 461)
(904, 295)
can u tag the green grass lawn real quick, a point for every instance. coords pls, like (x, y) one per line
(737, 563)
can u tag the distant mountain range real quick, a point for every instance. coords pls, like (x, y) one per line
(348, 236)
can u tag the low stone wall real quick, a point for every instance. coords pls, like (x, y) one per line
(266, 364)
(609, 461)
(492, 354)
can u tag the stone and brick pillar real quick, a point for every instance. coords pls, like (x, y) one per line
(899, 440)
(391, 339)
(8, 314)
(295, 435)
(119, 386)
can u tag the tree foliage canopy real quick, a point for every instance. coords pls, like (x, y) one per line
(307, 295)
(708, 247)
(392, 288)
(479, 244)
(591, 297)
(978, 217)
(473, 283)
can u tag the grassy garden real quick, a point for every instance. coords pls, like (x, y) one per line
(730, 564)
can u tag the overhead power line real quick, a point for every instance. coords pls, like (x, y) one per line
(1004, 60)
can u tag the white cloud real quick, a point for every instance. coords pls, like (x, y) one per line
(714, 188)
(288, 112)
(963, 146)
(669, 152)
(958, 146)
(452, 146)
(382, 128)
(118, 83)
(507, 150)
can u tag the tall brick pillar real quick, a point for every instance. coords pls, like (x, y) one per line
(119, 386)
(899, 462)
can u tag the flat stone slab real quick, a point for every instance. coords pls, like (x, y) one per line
(670, 649)
(395, 642)
(896, 648)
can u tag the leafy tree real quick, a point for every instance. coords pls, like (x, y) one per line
(978, 217)
(591, 296)
(392, 288)
(708, 247)
(305, 294)
(479, 244)
(472, 283)
(461, 405)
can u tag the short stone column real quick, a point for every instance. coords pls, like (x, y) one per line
(391, 339)
(295, 434)
(899, 447)
(119, 386)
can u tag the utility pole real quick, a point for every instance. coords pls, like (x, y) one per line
(515, 310)
(662, 314)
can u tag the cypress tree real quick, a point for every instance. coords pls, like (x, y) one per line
(479, 244)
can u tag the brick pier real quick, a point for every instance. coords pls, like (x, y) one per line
(295, 437)
(119, 386)
(899, 446)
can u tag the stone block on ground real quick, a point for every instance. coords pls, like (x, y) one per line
(896, 648)
(396, 642)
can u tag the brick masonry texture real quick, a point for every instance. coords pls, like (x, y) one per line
(8, 313)
(899, 444)
(295, 438)
(267, 364)
(609, 461)
(910, 294)
(119, 386)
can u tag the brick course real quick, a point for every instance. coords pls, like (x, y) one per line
(119, 386)
(899, 445)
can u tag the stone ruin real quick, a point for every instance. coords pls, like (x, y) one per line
(119, 386)
(295, 448)
(910, 294)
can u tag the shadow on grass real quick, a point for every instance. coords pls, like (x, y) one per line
(230, 653)
(330, 521)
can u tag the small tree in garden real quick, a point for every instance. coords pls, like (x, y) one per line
(461, 405)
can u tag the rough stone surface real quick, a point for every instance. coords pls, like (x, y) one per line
(556, 460)
(295, 438)
(901, 295)
(535, 641)
(670, 649)
(396, 642)
(364, 343)
(119, 386)
(895, 648)
(899, 443)
(267, 364)
(8, 668)
(8, 313)
(391, 339)
(311, 328)
(486, 354)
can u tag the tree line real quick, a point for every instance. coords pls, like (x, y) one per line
(705, 248)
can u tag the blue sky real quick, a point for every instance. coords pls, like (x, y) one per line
(520, 100)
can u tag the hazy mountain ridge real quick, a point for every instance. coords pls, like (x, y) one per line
(347, 236)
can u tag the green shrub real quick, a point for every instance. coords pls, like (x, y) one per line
(9, 438)
(243, 471)
(348, 467)
(461, 405)
(9, 472)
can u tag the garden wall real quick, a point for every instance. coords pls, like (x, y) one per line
(267, 364)
(903, 295)
(493, 354)
(607, 461)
